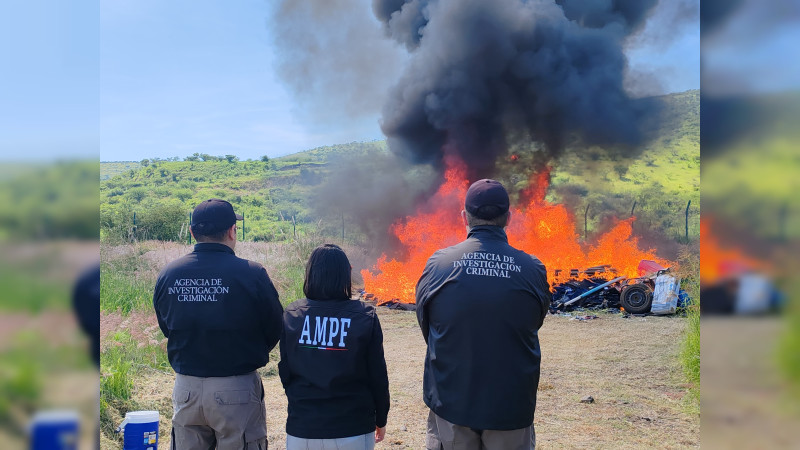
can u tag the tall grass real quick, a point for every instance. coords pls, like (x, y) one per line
(25, 290)
(122, 362)
(29, 362)
(123, 291)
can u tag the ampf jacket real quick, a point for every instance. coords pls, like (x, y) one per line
(333, 369)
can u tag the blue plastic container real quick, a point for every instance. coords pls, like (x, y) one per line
(54, 430)
(140, 430)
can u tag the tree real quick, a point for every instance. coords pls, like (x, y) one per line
(145, 162)
(265, 158)
(231, 158)
(137, 194)
(162, 221)
(183, 194)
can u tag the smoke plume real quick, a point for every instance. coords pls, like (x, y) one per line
(332, 57)
(487, 75)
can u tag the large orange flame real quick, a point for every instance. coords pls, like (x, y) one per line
(718, 261)
(537, 227)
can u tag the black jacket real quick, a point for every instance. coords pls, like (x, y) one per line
(333, 370)
(220, 313)
(480, 304)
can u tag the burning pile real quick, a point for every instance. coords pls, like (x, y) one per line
(537, 227)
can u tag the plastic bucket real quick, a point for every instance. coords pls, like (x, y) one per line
(54, 430)
(140, 430)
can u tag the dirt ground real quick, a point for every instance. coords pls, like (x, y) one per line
(746, 402)
(628, 365)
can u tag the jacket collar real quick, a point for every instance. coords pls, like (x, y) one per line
(202, 247)
(488, 232)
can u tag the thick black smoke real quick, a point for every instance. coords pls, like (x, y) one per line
(486, 75)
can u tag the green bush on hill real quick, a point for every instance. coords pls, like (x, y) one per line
(51, 201)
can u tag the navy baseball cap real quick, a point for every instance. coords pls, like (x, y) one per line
(486, 199)
(214, 215)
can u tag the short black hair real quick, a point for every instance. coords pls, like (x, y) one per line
(328, 274)
(201, 235)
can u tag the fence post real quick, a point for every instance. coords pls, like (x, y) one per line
(134, 226)
(687, 220)
(633, 207)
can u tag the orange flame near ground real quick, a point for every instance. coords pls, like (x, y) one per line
(537, 227)
(718, 262)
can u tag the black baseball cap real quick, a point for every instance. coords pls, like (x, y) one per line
(486, 199)
(214, 215)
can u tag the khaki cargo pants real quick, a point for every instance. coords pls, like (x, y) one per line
(226, 413)
(443, 435)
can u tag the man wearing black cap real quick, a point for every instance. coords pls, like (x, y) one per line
(221, 317)
(480, 304)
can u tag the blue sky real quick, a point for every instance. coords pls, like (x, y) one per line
(134, 79)
(48, 79)
(180, 77)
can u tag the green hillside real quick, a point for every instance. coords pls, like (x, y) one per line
(49, 201)
(154, 201)
(114, 168)
(275, 195)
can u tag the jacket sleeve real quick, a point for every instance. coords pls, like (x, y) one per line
(283, 364)
(545, 295)
(379, 379)
(422, 297)
(156, 295)
(272, 311)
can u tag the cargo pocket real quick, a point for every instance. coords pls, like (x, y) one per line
(255, 444)
(232, 397)
(180, 396)
(180, 400)
(255, 433)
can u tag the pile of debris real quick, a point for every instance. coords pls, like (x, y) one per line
(655, 291)
(391, 304)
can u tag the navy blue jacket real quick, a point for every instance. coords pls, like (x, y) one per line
(220, 313)
(480, 304)
(333, 369)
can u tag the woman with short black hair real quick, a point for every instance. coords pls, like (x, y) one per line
(332, 365)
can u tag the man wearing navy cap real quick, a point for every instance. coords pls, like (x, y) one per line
(480, 304)
(221, 316)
